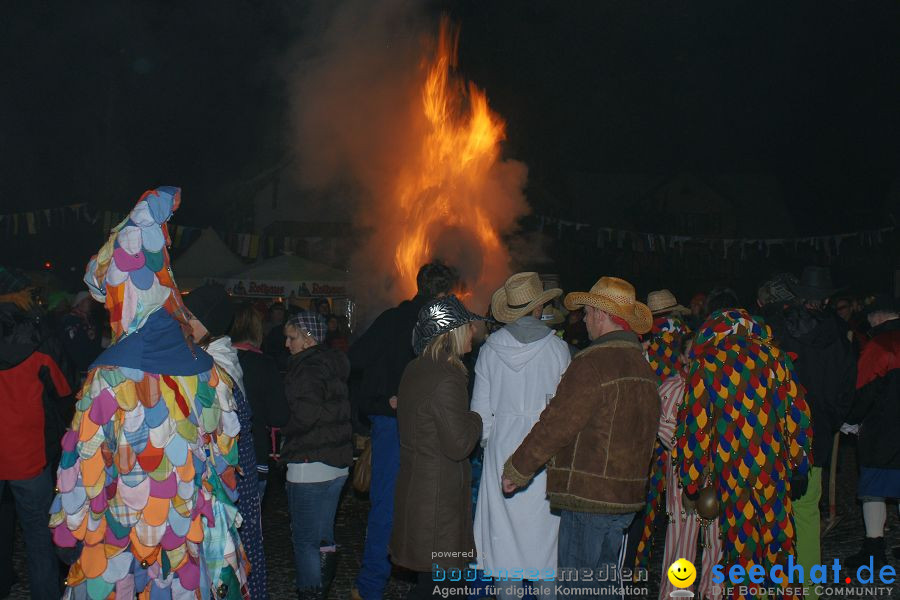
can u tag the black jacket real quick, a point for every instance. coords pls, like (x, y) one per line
(265, 393)
(825, 365)
(876, 406)
(319, 428)
(380, 355)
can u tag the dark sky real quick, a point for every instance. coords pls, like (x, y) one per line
(101, 100)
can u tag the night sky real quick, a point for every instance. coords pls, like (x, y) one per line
(101, 100)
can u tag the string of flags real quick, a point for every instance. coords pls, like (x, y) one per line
(252, 245)
(247, 245)
(639, 241)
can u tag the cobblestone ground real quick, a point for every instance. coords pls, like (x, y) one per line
(844, 539)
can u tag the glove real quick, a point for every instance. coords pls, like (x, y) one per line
(851, 429)
(798, 486)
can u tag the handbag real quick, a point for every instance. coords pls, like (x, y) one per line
(362, 469)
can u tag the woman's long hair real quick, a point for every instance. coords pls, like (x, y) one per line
(448, 346)
(247, 325)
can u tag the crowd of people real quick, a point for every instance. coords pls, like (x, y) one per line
(599, 421)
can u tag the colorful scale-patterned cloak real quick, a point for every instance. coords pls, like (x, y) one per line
(666, 338)
(746, 419)
(147, 478)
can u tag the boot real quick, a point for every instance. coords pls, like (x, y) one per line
(312, 593)
(328, 563)
(872, 547)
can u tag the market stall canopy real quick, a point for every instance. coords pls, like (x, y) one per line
(288, 275)
(208, 258)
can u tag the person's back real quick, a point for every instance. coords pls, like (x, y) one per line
(378, 358)
(517, 373)
(724, 434)
(599, 431)
(825, 366)
(265, 393)
(31, 383)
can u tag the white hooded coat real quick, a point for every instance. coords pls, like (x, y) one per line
(514, 381)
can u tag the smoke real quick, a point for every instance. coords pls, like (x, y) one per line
(361, 136)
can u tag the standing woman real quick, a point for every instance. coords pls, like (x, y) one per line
(317, 448)
(213, 314)
(433, 505)
(265, 389)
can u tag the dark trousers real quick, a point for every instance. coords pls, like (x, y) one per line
(33, 497)
(376, 568)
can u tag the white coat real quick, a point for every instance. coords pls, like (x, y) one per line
(513, 384)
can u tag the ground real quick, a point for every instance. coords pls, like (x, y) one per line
(841, 541)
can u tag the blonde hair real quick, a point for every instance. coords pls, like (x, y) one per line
(449, 346)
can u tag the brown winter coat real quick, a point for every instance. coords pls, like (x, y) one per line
(433, 497)
(599, 429)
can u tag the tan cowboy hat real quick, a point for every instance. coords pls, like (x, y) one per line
(616, 297)
(663, 301)
(521, 294)
(552, 316)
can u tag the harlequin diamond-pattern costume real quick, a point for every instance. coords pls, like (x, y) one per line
(664, 354)
(744, 421)
(147, 476)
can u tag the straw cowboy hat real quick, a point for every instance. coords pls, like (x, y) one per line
(552, 316)
(663, 301)
(616, 297)
(521, 294)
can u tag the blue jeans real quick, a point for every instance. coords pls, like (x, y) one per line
(262, 490)
(33, 498)
(313, 507)
(592, 541)
(376, 568)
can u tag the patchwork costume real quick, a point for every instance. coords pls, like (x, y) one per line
(664, 355)
(744, 428)
(146, 483)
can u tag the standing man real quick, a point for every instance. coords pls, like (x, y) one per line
(599, 431)
(518, 370)
(826, 367)
(379, 357)
(32, 386)
(80, 337)
(743, 438)
(876, 409)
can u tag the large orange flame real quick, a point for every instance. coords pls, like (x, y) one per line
(450, 185)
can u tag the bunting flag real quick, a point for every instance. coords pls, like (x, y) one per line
(639, 241)
(253, 245)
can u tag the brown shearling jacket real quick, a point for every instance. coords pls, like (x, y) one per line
(599, 430)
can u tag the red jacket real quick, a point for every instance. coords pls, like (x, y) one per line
(22, 449)
(877, 404)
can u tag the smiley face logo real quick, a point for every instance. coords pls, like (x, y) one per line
(682, 573)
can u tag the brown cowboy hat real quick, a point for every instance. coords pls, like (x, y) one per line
(521, 294)
(664, 302)
(616, 297)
